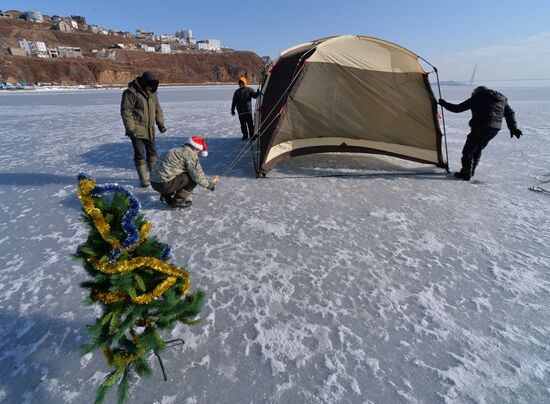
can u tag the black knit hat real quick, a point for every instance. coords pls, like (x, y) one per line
(149, 76)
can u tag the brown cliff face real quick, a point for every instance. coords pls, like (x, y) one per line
(116, 66)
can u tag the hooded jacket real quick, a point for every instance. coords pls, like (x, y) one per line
(140, 111)
(177, 161)
(488, 108)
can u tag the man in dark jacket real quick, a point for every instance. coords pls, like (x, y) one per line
(488, 108)
(141, 112)
(242, 99)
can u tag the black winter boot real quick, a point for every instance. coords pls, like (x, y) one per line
(166, 198)
(180, 204)
(180, 199)
(474, 166)
(463, 175)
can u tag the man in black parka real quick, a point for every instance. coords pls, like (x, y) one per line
(242, 99)
(488, 108)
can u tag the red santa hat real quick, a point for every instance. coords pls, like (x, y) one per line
(199, 143)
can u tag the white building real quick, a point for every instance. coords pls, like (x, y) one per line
(25, 45)
(163, 48)
(201, 45)
(214, 44)
(40, 49)
(185, 36)
(146, 48)
(17, 51)
(69, 52)
(208, 44)
(150, 36)
(40, 46)
(63, 26)
(73, 23)
(34, 16)
(94, 28)
(167, 38)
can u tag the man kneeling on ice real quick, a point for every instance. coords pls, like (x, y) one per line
(179, 171)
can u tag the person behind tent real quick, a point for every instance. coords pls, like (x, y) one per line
(141, 112)
(488, 108)
(178, 172)
(242, 100)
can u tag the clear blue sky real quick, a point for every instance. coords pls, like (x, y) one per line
(505, 38)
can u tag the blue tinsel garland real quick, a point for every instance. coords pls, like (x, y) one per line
(132, 232)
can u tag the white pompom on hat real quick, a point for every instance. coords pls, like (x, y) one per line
(199, 143)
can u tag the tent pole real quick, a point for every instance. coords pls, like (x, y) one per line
(442, 112)
(252, 142)
(442, 119)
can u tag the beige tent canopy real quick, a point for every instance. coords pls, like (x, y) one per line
(347, 94)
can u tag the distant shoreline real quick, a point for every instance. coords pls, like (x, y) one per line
(109, 87)
(60, 88)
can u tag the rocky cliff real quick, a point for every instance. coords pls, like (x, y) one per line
(115, 66)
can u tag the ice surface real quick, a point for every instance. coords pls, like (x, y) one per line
(394, 284)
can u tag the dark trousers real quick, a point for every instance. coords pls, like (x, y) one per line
(476, 141)
(143, 147)
(247, 125)
(182, 182)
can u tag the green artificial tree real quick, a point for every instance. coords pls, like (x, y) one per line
(139, 291)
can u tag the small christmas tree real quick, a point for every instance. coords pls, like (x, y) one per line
(139, 292)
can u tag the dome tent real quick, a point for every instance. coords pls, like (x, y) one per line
(347, 94)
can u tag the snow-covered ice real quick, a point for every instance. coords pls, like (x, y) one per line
(394, 284)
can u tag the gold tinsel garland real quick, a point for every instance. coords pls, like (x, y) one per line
(120, 358)
(84, 195)
(86, 187)
(132, 264)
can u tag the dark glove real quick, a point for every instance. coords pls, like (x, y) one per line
(441, 101)
(516, 132)
(211, 186)
(130, 134)
(232, 112)
(162, 128)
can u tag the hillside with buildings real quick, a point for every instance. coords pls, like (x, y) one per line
(36, 48)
